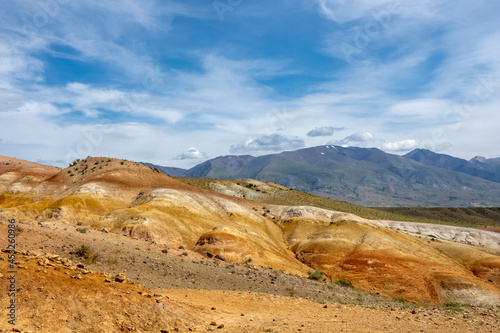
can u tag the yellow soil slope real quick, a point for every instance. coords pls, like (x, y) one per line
(127, 197)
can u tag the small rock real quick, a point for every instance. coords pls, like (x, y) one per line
(1, 275)
(53, 257)
(213, 308)
(207, 254)
(220, 326)
(107, 280)
(77, 276)
(120, 277)
(325, 306)
(105, 230)
(219, 257)
(242, 315)
(213, 323)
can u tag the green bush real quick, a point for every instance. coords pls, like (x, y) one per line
(399, 299)
(82, 230)
(316, 275)
(454, 306)
(346, 284)
(88, 253)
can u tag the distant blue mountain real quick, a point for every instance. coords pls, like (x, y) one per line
(365, 176)
(453, 163)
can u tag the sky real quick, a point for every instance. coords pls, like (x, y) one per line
(177, 82)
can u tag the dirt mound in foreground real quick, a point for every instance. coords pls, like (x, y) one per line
(54, 295)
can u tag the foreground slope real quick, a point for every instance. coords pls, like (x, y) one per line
(129, 198)
(51, 299)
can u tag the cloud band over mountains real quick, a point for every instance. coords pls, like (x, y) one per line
(273, 142)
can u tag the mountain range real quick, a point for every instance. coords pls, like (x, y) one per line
(365, 176)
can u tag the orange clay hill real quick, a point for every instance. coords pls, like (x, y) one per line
(132, 199)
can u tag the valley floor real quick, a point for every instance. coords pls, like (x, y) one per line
(198, 294)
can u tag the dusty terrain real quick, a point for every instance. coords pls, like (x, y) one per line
(159, 232)
(56, 295)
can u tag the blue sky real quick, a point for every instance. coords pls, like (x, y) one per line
(177, 82)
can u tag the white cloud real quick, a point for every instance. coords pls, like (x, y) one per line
(398, 146)
(190, 154)
(324, 131)
(360, 137)
(273, 142)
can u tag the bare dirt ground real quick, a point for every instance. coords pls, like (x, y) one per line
(251, 312)
(193, 293)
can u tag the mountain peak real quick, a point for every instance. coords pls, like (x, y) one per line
(479, 159)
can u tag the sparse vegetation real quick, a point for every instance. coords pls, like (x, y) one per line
(399, 300)
(345, 284)
(316, 275)
(113, 261)
(82, 230)
(247, 261)
(454, 306)
(88, 253)
(74, 162)
(79, 223)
